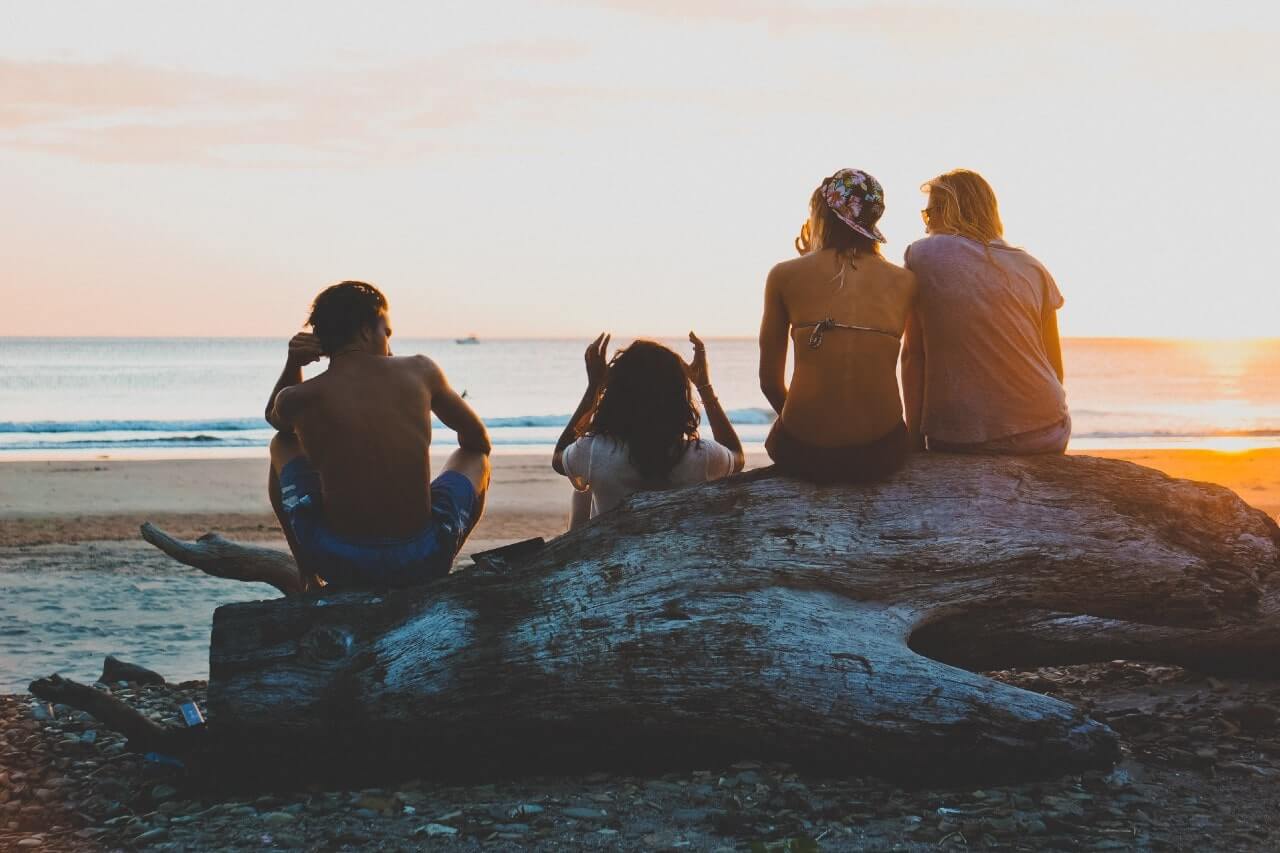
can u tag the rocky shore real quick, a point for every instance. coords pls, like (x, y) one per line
(1201, 772)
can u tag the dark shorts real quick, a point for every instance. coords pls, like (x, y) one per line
(344, 561)
(855, 463)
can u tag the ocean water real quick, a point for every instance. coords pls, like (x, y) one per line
(159, 397)
(66, 607)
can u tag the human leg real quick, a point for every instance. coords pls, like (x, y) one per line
(285, 448)
(476, 468)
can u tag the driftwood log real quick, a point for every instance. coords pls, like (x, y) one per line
(834, 627)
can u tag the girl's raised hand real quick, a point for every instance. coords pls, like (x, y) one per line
(597, 363)
(698, 372)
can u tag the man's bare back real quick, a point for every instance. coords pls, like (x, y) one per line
(365, 425)
(351, 476)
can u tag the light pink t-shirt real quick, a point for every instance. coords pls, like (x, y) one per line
(987, 373)
(602, 464)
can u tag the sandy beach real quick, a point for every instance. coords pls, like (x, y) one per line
(59, 502)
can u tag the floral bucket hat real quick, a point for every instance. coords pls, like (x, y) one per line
(858, 199)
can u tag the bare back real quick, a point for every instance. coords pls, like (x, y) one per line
(365, 425)
(844, 387)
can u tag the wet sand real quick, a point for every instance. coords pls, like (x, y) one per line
(65, 502)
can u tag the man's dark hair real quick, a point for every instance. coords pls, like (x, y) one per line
(341, 311)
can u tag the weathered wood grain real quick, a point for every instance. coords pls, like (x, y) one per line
(829, 626)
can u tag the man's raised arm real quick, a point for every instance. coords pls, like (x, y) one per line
(304, 348)
(454, 412)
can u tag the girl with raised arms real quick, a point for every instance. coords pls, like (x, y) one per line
(636, 427)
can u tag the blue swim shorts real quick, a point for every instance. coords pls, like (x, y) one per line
(348, 562)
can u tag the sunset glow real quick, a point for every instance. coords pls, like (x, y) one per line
(531, 169)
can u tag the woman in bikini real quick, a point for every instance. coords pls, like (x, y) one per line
(843, 307)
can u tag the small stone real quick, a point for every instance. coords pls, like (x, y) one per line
(30, 843)
(524, 810)
(434, 830)
(278, 818)
(160, 793)
(579, 813)
(150, 835)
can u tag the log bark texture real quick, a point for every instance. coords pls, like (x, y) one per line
(828, 626)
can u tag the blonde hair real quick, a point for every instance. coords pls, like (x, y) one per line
(962, 202)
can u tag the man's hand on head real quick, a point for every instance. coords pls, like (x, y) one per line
(304, 349)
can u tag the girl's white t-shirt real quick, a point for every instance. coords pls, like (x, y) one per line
(602, 464)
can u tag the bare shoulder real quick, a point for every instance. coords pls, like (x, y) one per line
(294, 398)
(422, 368)
(905, 279)
(786, 270)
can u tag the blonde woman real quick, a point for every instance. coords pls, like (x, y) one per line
(842, 307)
(982, 362)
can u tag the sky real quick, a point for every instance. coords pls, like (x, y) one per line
(561, 168)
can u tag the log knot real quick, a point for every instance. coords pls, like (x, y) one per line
(326, 644)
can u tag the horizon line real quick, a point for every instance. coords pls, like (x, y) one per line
(548, 338)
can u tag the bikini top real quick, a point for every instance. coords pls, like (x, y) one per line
(821, 326)
(820, 329)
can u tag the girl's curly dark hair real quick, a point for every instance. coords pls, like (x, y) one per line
(648, 404)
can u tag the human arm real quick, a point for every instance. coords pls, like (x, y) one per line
(913, 380)
(775, 336)
(454, 412)
(723, 431)
(597, 370)
(1053, 343)
(304, 348)
(1051, 302)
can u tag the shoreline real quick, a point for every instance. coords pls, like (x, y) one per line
(60, 502)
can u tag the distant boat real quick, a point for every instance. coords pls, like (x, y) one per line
(469, 339)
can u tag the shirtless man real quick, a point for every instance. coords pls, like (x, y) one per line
(361, 430)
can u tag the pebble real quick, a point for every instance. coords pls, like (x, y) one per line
(157, 834)
(524, 810)
(160, 793)
(278, 818)
(579, 813)
(433, 830)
